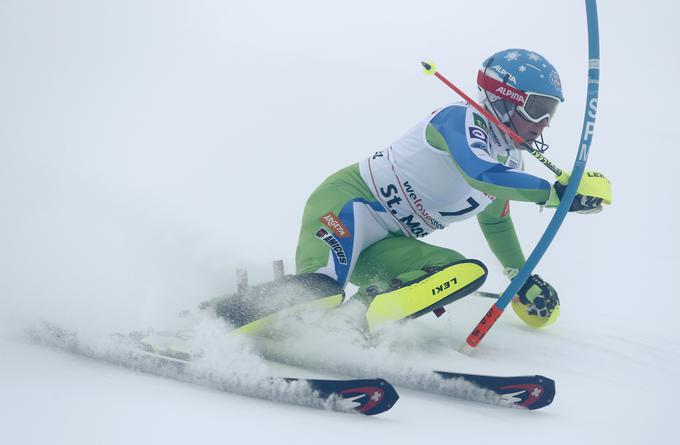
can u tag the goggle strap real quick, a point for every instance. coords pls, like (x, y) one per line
(500, 89)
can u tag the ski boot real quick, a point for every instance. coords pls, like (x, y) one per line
(251, 309)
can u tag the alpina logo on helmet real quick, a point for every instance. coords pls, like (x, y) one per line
(507, 93)
(503, 72)
(501, 89)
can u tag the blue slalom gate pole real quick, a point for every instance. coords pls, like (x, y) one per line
(518, 281)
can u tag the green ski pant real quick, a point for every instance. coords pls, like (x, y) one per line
(344, 236)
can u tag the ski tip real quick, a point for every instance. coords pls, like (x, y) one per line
(372, 396)
(531, 392)
(380, 399)
(524, 391)
(542, 395)
(363, 396)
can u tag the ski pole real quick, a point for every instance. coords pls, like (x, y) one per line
(491, 295)
(431, 69)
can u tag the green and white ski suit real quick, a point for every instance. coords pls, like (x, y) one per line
(364, 224)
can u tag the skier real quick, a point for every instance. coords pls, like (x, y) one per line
(365, 223)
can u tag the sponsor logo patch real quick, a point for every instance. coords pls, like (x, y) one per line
(321, 233)
(479, 121)
(510, 94)
(393, 206)
(477, 133)
(494, 136)
(417, 204)
(413, 226)
(333, 222)
(444, 286)
(333, 243)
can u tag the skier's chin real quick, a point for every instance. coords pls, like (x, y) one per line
(531, 137)
(528, 139)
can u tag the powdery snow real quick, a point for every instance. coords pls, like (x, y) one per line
(149, 148)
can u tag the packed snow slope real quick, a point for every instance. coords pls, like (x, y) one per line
(149, 148)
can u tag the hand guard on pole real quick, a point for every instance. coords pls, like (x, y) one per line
(537, 303)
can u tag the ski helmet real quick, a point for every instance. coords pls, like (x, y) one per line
(522, 81)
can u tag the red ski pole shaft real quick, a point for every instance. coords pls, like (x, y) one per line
(430, 69)
(482, 328)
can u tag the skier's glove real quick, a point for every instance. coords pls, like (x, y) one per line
(537, 303)
(593, 191)
(581, 203)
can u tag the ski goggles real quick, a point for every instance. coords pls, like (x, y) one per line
(533, 107)
(538, 107)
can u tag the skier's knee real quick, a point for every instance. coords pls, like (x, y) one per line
(441, 258)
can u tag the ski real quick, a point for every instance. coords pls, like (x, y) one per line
(365, 396)
(526, 392)
(368, 396)
(529, 391)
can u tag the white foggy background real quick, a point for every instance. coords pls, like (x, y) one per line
(149, 148)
